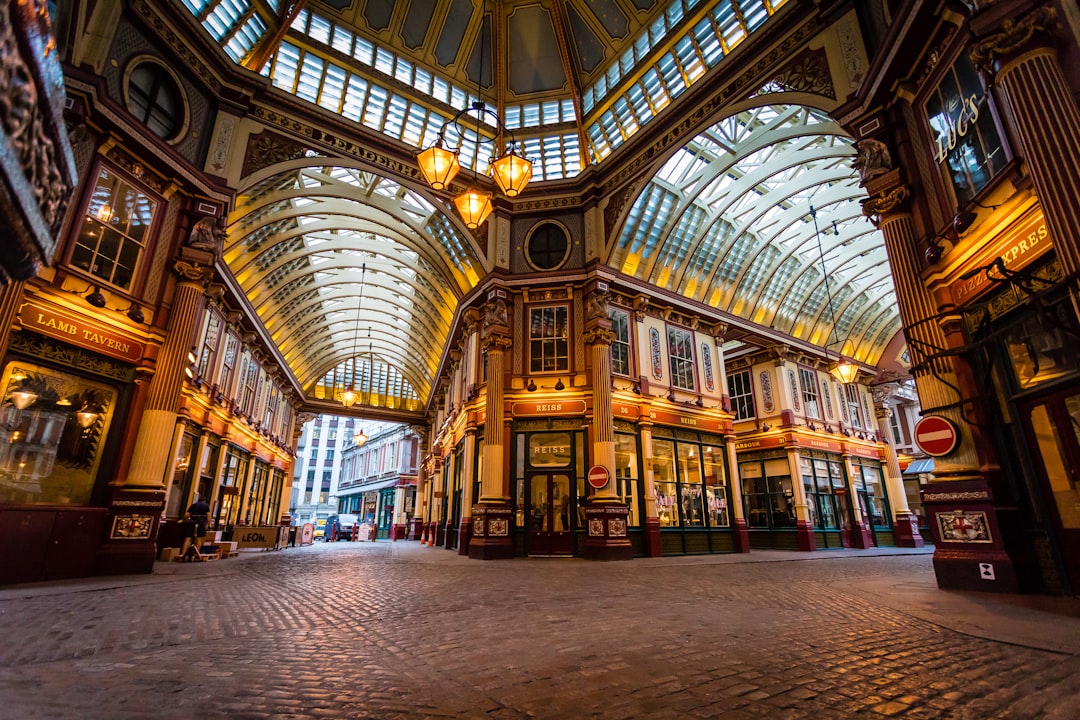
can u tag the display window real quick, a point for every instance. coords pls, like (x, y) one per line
(627, 475)
(768, 497)
(183, 472)
(52, 428)
(690, 483)
(873, 502)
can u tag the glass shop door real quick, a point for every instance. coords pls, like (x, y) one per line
(1053, 429)
(549, 514)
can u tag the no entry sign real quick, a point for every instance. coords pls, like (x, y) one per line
(936, 436)
(598, 476)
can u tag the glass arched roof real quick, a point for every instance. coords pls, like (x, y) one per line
(729, 220)
(355, 277)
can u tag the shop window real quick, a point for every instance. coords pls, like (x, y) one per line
(716, 490)
(681, 358)
(808, 387)
(155, 99)
(627, 475)
(547, 247)
(182, 472)
(211, 336)
(894, 425)
(52, 426)
(767, 493)
(620, 345)
(549, 339)
(873, 501)
(114, 232)
(741, 392)
(965, 140)
(851, 394)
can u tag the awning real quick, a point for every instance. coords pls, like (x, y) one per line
(917, 467)
(361, 489)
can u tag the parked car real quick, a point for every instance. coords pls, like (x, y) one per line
(340, 527)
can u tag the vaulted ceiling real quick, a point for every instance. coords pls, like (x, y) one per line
(357, 277)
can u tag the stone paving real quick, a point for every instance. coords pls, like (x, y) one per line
(398, 630)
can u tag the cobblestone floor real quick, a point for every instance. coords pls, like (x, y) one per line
(362, 630)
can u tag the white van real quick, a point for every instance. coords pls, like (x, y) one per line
(340, 527)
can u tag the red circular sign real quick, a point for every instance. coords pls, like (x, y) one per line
(936, 435)
(599, 476)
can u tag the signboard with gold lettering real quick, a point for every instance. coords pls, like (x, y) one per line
(759, 443)
(816, 443)
(697, 422)
(1017, 247)
(549, 407)
(79, 331)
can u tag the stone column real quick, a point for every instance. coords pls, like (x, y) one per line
(438, 491)
(1018, 54)
(416, 522)
(905, 524)
(805, 538)
(653, 544)
(468, 463)
(492, 515)
(960, 492)
(738, 513)
(605, 515)
(11, 297)
(139, 497)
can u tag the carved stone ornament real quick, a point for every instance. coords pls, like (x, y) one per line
(268, 148)
(596, 305)
(193, 271)
(884, 203)
(495, 313)
(499, 342)
(809, 73)
(1014, 37)
(871, 159)
(37, 172)
(208, 234)
(598, 336)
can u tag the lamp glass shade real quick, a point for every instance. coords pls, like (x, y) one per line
(512, 173)
(86, 418)
(474, 205)
(349, 397)
(359, 438)
(844, 371)
(23, 399)
(438, 166)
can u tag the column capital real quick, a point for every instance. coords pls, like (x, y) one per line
(193, 272)
(1013, 37)
(598, 336)
(497, 342)
(885, 202)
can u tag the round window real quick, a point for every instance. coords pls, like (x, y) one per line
(154, 98)
(548, 246)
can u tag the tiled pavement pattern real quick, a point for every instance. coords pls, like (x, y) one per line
(381, 630)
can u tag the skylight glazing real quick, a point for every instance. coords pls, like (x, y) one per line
(727, 221)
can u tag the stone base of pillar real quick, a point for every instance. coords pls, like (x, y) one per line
(906, 531)
(741, 536)
(439, 536)
(979, 545)
(864, 536)
(653, 545)
(490, 537)
(399, 531)
(464, 535)
(605, 527)
(804, 536)
(416, 529)
(130, 543)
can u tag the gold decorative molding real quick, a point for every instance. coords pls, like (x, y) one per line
(1014, 36)
(876, 206)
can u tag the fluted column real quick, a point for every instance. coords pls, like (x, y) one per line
(653, 545)
(492, 516)
(905, 524)
(150, 458)
(605, 514)
(935, 373)
(468, 465)
(599, 341)
(1020, 57)
(11, 296)
(137, 498)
